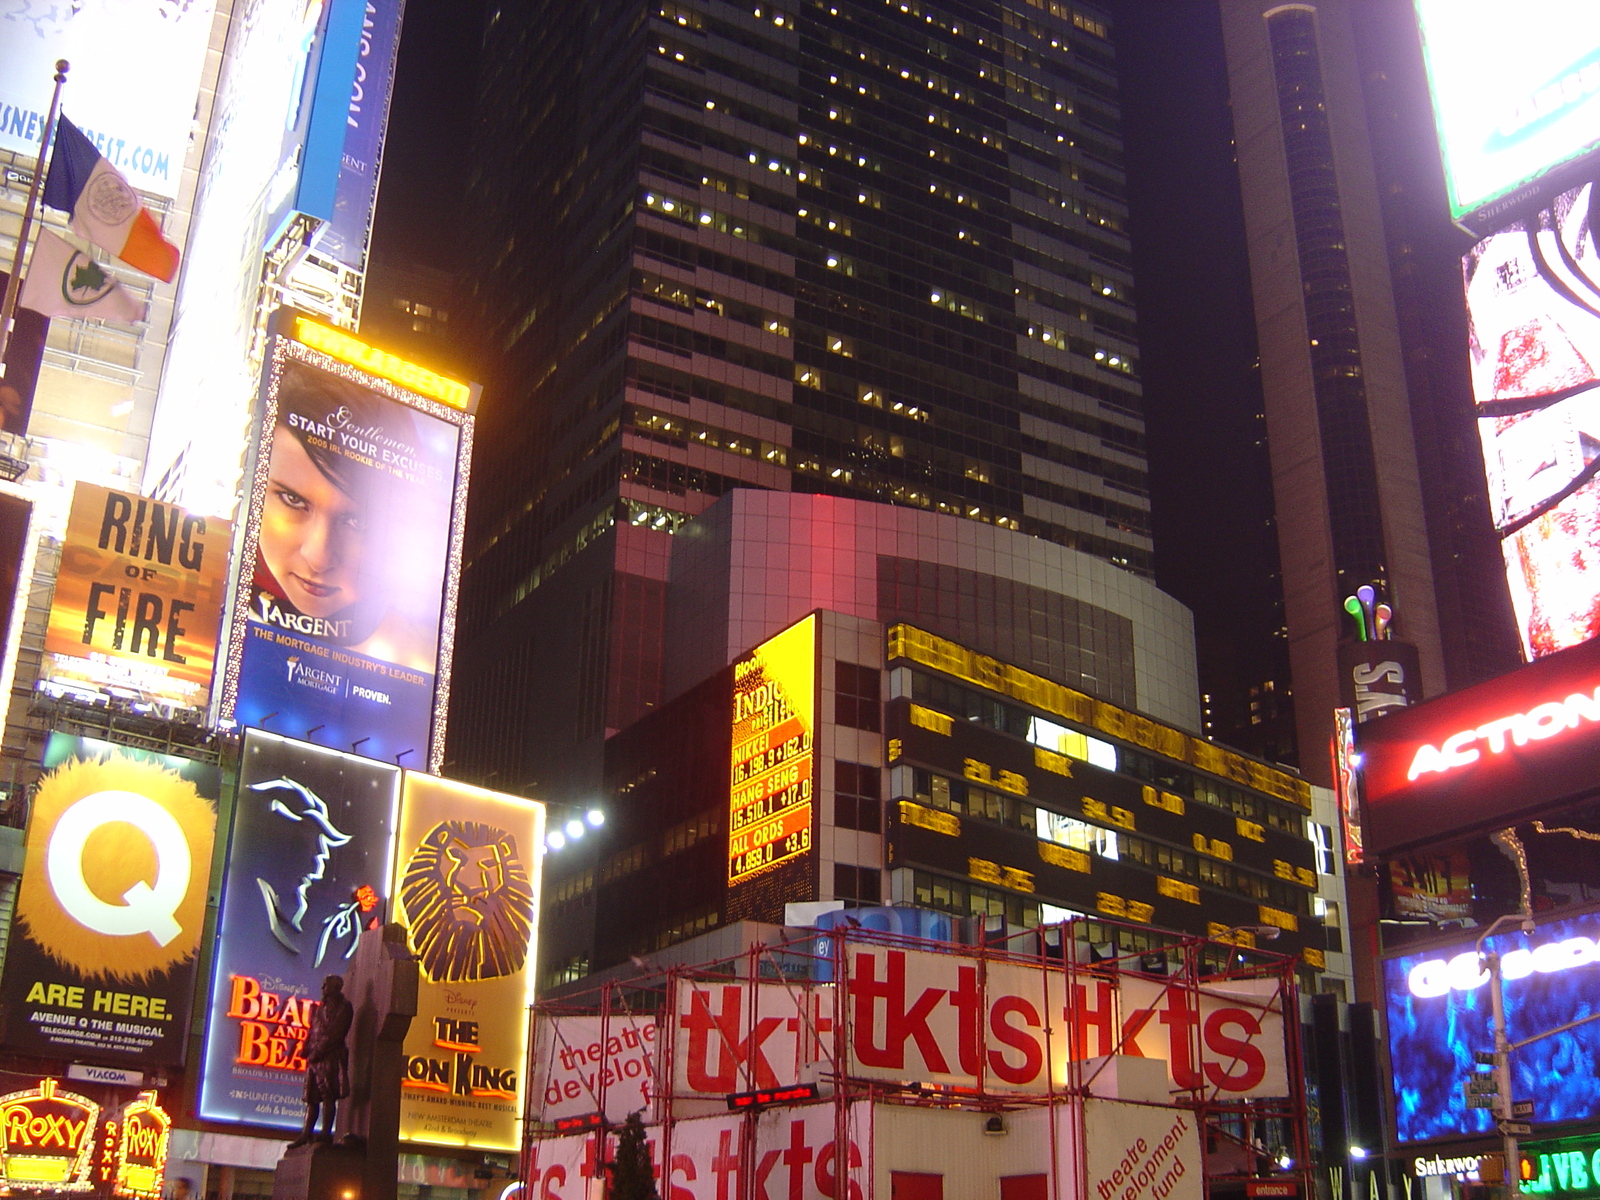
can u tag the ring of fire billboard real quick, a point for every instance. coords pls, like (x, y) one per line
(138, 600)
(344, 609)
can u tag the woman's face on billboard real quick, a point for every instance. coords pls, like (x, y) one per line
(312, 534)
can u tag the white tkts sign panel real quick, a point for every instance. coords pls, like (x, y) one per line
(584, 1065)
(1141, 1153)
(946, 1018)
(720, 1045)
(132, 88)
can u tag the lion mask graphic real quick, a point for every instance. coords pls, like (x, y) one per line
(469, 903)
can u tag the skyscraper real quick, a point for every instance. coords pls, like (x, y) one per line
(874, 250)
(1345, 476)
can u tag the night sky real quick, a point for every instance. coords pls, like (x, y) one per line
(1210, 491)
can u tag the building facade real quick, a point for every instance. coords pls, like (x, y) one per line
(839, 248)
(1346, 484)
(999, 729)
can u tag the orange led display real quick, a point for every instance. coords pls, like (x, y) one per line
(774, 723)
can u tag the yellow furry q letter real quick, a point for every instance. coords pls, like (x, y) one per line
(119, 851)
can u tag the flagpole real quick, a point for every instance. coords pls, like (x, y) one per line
(8, 307)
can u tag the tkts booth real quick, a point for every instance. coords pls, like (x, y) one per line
(910, 1069)
(1480, 805)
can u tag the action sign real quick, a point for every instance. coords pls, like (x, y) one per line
(101, 963)
(1486, 756)
(466, 887)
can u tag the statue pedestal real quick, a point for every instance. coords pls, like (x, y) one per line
(318, 1172)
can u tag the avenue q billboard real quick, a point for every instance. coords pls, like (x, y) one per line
(1484, 757)
(344, 616)
(102, 958)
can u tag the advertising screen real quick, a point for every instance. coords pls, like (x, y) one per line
(1533, 302)
(138, 116)
(249, 172)
(774, 723)
(1512, 98)
(345, 236)
(102, 958)
(138, 600)
(1438, 1006)
(466, 887)
(1486, 756)
(341, 620)
(310, 861)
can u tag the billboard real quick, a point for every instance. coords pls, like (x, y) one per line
(345, 235)
(105, 970)
(248, 178)
(1439, 1015)
(310, 859)
(774, 725)
(138, 600)
(1488, 755)
(1511, 99)
(1533, 303)
(345, 611)
(466, 886)
(24, 357)
(138, 117)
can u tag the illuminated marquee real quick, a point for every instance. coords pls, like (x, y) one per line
(774, 722)
(47, 1139)
(340, 345)
(142, 1149)
(1542, 721)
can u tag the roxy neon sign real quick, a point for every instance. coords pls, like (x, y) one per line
(1540, 722)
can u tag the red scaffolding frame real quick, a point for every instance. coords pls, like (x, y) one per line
(1233, 1130)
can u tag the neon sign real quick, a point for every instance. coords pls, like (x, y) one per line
(142, 1150)
(1463, 973)
(1540, 722)
(47, 1139)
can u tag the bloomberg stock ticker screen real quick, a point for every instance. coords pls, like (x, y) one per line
(1438, 1008)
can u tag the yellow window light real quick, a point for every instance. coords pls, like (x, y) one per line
(340, 345)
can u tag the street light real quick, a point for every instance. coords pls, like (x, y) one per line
(1503, 1110)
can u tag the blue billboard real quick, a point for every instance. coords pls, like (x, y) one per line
(344, 606)
(308, 869)
(345, 235)
(1438, 1014)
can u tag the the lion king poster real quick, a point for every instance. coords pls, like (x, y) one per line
(466, 887)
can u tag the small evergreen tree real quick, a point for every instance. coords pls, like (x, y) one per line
(631, 1174)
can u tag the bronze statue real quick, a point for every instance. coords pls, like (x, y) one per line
(327, 1060)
